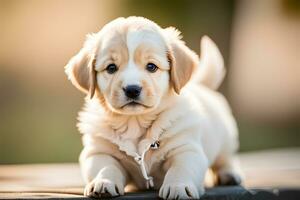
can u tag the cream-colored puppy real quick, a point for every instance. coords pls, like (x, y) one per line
(152, 118)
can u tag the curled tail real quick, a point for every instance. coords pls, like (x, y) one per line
(211, 70)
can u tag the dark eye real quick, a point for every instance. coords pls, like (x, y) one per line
(151, 67)
(111, 68)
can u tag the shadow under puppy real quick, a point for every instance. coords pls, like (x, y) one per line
(152, 117)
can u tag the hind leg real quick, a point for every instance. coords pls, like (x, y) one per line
(227, 170)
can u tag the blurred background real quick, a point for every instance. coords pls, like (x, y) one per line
(260, 41)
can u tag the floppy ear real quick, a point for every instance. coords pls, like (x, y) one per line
(81, 68)
(183, 60)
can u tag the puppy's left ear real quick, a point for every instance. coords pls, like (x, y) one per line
(81, 68)
(183, 60)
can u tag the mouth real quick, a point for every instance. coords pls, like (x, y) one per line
(134, 104)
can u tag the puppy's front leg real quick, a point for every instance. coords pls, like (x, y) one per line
(103, 174)
(185, 176)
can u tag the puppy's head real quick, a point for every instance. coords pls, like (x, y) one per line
(132, 64)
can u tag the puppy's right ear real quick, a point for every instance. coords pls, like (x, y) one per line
(81, 68)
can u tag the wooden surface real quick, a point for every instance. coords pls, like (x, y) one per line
(266, 170)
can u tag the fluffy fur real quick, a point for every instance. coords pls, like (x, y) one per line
(192, 122)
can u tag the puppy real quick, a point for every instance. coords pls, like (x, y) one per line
(151, 116)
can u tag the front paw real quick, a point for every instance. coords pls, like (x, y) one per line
(101, 187)
(180, 191)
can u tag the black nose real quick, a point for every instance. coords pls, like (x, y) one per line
(132, 91)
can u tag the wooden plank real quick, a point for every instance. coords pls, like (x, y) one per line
(262, 170)
(272, 168)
